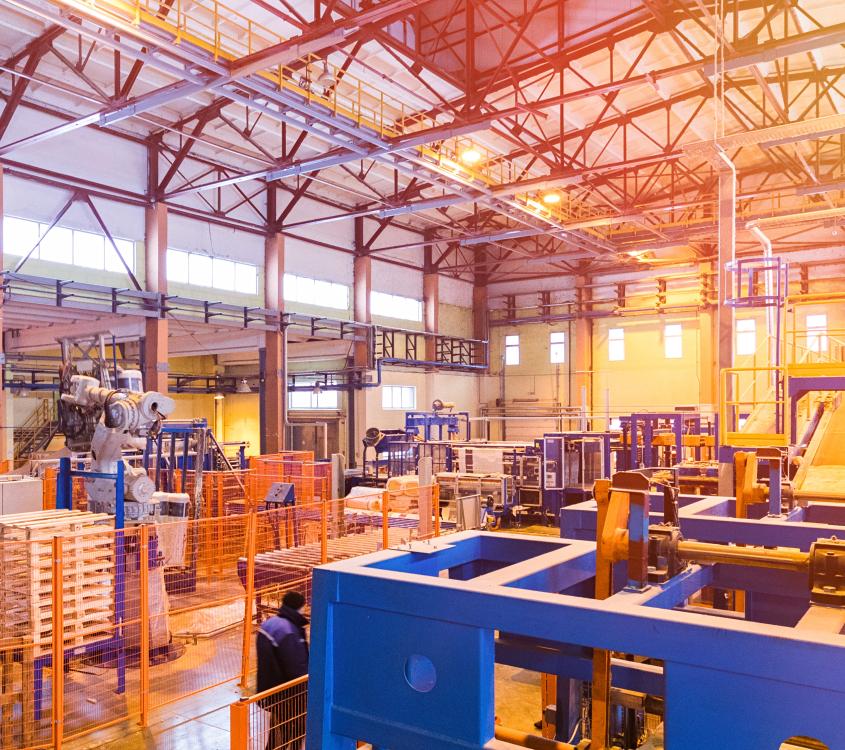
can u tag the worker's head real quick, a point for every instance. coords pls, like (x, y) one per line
(293, 600)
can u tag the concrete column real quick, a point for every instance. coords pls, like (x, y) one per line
(582, 348)
(480, 302)
(275, 390)
(155, 280)
(361, 287)
(431, 309)
(362, 284)
(708, 373)
(6, 434)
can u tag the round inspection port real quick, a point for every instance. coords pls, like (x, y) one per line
(420, 673)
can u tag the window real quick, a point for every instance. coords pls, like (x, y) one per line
(126, 248)
(197, 269)
(57, 245)
(200, 270)
(511, 350)
(312, 399)
(89, 250)
(557, 347)
(315, 292)
(817, 333)
(246, 278)
(177, 266)
(19, 236)
(673, 341)
(394, 306)
(64, 245)
(746, 336)
(616, 344)
(223, 274)
(398, 397)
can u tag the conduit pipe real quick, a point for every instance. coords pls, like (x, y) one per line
(772, 310)
(534, 741)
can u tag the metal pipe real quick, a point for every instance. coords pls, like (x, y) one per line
(524, 739)
(780, 558)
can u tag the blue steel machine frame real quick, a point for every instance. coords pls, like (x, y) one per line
(430, 643)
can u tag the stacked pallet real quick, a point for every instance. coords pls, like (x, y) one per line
(26, 577)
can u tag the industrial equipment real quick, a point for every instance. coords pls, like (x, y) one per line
(20, 494)
(496, 493)
(422, 425)
(754, 676)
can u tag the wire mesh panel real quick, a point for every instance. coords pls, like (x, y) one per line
(20, 725)
(49, 477)
(199, 644)
(223, 492)
(97, 576)
(272, 720)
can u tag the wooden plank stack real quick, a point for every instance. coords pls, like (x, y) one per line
(26, 607)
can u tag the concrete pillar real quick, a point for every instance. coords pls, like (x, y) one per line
(361, 287)
(362, 284)
(275, 391)
(6, 434)
(431, 309)
(582, 348)
(155, 280)
(708, 374)
(480, 314)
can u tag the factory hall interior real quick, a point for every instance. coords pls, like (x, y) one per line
(422, 374)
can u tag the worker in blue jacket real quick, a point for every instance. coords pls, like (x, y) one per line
(282, 656)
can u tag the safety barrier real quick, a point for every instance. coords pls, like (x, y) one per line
(311, 480)
(753, 416)
(273, 719)
(150, 615)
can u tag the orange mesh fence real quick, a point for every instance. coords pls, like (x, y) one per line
(272, 720)
(49, 479)
(97, 599)
(198, 647)
(153, 614)
(24, 642)
(223, 492)
(311, 480)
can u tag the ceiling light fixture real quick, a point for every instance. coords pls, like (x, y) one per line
(243, 387)
(326, 79)
(551, 198)
(471, 156)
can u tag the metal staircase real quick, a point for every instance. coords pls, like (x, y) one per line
(37, 431)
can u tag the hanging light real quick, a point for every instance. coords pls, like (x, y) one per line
(243, 387)
(317, 389)
(326, 79)
(551, 198)
(470, 156)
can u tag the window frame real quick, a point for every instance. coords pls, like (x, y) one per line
(557, 349)
(616, 336)
(817, 334)
(745, 331)
(512, 353)
(391, 389)
(396, 306)
(669, 340)
(304, 290)
(314, 400)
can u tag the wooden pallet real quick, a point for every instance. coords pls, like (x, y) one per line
(26, 577)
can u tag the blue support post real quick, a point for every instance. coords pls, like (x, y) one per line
(120, 579)
(64, 486)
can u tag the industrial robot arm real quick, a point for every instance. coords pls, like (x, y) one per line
(128, 417)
